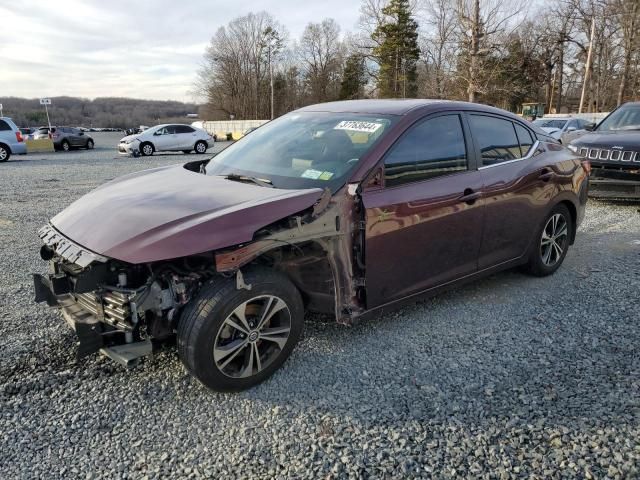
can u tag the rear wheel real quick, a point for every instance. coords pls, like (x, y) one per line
(201, 147)
(232, 339)
(90, 145)
(65, 146)
(5, 154)
(146, 149)
(552, 242)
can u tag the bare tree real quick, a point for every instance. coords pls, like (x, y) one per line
(629, 13)
(482, 22)
(439, 46)
(322, 54)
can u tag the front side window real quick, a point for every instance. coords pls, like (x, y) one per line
(496, 139)
(433, 148)
(303, 149)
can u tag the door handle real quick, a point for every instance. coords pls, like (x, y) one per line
(546, 175)
(469, 196)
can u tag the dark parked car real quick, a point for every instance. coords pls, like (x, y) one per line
(347, 208)
(613, 148)
(66, 138)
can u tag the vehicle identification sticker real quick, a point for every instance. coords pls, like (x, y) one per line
(357, 126)
(316, 174)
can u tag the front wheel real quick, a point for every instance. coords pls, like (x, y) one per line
(66, 146)
(90, 145)
(552, 242)
(200, 147)
(231, 339)
(146, 149)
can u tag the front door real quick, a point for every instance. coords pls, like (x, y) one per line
(424, 224)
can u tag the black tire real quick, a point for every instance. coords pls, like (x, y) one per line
(539, 264)
(90, 144)
(200, 147)
(5, 153)
(204, 321)
(146, 149)
(65, 146)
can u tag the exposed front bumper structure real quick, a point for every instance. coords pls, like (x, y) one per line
(614, 183)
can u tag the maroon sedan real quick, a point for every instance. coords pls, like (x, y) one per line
(347, 208)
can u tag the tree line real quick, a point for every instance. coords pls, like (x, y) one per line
(100, 112)
(498, 52)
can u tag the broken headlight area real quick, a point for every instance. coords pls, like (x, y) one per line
(120, 309)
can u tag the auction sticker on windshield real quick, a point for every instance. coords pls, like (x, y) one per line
(358, 126)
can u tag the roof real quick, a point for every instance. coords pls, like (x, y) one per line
(395, 106)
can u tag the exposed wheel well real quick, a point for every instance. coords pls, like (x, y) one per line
(308, 267)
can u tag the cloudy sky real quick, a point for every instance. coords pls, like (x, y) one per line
(143, 49)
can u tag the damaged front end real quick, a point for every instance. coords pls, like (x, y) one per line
(116, 308)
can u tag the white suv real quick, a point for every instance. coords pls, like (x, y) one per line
(166, 138)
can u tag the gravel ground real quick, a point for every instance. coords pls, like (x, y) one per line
(511, 377)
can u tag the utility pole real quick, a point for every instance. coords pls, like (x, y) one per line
(588, 65)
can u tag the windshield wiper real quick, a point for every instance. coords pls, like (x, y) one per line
(263, 182)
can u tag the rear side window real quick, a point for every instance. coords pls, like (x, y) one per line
(184, 129)
(496, 138)
(430, 149)
(524, 138)
(4, 125)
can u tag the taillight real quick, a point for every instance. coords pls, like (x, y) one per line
(19, 136)
(586, 164)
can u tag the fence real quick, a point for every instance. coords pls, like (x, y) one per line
(228, 129)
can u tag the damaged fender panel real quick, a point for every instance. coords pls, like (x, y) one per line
(332, 225)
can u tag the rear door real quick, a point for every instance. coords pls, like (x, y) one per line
(187, 136)
(424, 223)
(516, 186)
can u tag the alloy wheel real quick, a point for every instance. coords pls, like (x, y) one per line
(201, 148)
(147, 150)
(252, 336)
(3, 154)
(554, 239)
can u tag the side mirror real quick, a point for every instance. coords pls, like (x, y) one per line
(155, 134)
(80, 132)
(571, 129)
(590, 127)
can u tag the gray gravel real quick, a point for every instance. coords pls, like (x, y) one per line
(510, 377)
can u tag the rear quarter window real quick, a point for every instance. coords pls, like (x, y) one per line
(4, 126)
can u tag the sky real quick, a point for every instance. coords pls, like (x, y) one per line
(142, 49)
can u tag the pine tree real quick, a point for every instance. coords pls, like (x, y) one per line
(397, 51)
(353, 78)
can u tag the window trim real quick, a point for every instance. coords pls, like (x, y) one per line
(468, 145)
(534, 148)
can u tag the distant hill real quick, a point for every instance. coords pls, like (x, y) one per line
(112, 112)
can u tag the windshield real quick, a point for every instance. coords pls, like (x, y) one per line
(541, 122)
(624, 118)
(303, 149)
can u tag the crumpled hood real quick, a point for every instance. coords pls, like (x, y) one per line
(129, 138)
(171, 212)
(626, 139)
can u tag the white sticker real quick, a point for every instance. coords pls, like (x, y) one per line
(310, 173)
(357, 126)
